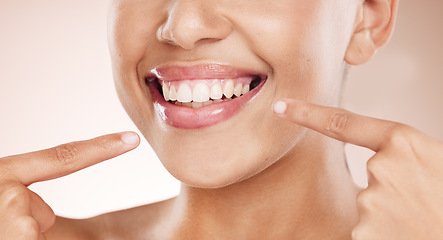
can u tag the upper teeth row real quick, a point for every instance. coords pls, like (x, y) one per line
(202, 90)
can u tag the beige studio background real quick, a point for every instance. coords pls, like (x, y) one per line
(56, 86)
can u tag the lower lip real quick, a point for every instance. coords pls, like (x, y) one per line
(194, 118)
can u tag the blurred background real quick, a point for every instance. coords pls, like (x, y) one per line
(56, 87)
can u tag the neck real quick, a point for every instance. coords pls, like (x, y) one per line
(307, 194)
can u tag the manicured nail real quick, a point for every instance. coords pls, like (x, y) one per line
(280, 107)
(130, 138)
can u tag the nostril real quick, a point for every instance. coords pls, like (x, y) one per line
(161, 35)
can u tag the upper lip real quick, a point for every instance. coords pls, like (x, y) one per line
(201, 71)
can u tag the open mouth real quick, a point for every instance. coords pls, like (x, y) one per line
(200, 93)
(199, 96)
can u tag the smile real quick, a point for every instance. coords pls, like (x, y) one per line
(192, 97)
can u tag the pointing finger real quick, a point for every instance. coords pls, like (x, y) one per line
(67, 158)
(337, 123)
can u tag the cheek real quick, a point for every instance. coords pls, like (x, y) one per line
(131, 31)
(304, 43)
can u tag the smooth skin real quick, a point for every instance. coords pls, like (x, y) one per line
(396, 205)
(23, 214)
(405, 193)
(279, 179)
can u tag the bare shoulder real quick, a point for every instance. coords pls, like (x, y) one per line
(134, 223)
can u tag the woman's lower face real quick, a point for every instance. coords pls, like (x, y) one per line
(199, 78)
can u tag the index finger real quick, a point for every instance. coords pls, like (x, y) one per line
(337, 123)
(67, 158)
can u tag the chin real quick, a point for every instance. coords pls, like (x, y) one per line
(220, 167)
(202, 180)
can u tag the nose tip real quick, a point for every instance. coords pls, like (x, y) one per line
(190, 24)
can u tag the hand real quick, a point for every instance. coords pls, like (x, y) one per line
(404, 199)
(24, 214)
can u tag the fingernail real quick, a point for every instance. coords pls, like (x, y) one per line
(130, 138)
(280, 107)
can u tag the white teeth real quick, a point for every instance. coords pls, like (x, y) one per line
(172, 94)
(201, 93)
(238, 89)
(245, 89)
(184, 93)
(216, 91)
(197, 104)
(228, 89)
(165, 92)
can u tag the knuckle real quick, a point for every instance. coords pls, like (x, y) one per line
(27, 227)
(376, 168)
(359, 233)
(382, 171)
(15, 196)
(338, 122)
(399, 135)
(65, 153)
(366, 200)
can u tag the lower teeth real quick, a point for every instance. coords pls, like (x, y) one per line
(202, 104)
